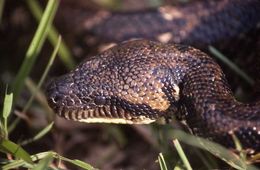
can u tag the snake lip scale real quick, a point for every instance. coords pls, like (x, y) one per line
(140, 81)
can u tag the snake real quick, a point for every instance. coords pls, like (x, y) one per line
(140, 81)
(198, 23)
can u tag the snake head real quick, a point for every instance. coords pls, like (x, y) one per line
(91, 104)
(115, 87)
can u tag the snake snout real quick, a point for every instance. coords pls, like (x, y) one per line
(60, 94)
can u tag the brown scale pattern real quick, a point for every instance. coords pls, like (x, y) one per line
(140, 81)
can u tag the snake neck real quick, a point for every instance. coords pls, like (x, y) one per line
(209, 106)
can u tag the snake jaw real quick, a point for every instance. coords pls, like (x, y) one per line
(94, 108)
(105, 114)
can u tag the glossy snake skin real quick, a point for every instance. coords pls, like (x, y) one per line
(140, 81)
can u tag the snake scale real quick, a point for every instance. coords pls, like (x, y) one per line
(140, 81)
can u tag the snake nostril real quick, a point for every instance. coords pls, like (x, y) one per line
(55, 99)
(58, 91)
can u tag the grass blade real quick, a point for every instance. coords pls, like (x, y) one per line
(19, 163)
(162, 163)
(44, 163)
(43, 155)
(239, 147)
(39, 135)
(53, 35)
(182, 154)
(177, 168)
(234, 67)
(78, 163)
(54, 53)
(8, 100)
(40, 97)
(15, 150)
(35, 90)
(34, 47)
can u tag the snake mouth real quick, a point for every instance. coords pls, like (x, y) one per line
(71, 107)
(106, 114)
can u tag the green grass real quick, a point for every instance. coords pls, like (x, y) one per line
(9, 147)
(162, 162)
(35, 47)
(64, 52)
(44, 158)
(182, 154)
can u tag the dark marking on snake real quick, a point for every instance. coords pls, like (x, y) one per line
(140, 81)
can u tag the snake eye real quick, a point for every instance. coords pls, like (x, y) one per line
(100, 100)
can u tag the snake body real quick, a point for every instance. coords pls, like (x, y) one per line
(198, 24)
(140, 81)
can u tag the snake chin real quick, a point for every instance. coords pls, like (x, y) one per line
(139, 120)
(105, 114)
